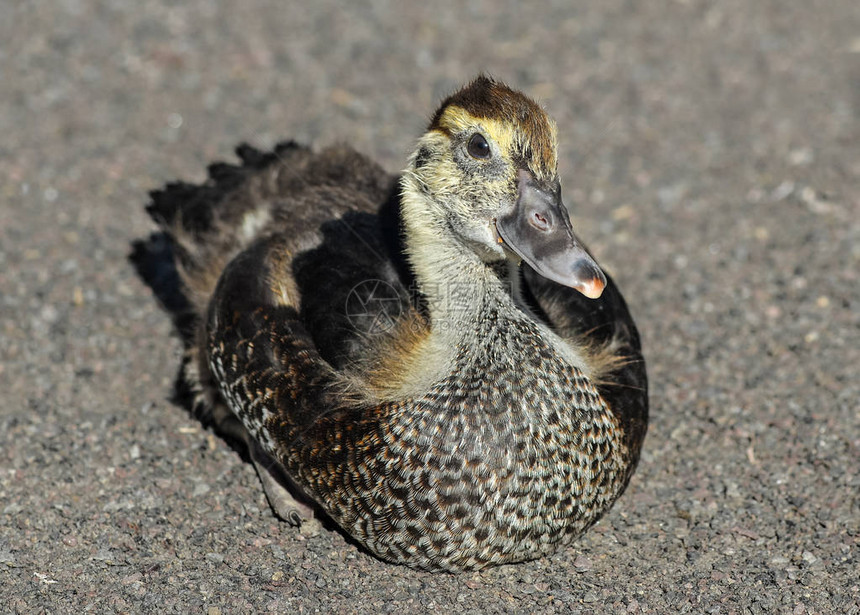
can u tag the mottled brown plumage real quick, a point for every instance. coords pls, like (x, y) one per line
(472, 411)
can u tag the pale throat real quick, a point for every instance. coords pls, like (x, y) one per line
(458, 285)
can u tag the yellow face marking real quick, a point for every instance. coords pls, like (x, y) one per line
(534, 137)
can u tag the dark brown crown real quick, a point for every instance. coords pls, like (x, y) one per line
(486, 98)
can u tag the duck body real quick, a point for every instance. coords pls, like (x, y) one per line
(376, 343)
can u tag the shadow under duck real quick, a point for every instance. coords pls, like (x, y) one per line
(433, 360)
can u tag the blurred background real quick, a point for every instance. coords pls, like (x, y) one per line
(710, 159)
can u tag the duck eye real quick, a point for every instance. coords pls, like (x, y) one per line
(478, 147)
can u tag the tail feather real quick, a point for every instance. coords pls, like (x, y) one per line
(196, 207)
(210, 223)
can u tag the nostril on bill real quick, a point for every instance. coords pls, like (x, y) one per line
(540, 222)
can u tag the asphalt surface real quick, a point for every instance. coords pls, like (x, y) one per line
(711, 159)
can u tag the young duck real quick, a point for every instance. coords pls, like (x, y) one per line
(379, 347)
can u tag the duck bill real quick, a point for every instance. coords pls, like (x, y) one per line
(538, 230)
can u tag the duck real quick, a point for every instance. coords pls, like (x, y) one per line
(431, 360)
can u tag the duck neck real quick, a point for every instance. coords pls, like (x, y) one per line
(460, 288)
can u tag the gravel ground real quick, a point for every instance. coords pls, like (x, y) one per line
(711, 160)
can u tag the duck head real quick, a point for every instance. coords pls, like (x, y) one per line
(485, 173)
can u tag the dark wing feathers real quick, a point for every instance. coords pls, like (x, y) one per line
(195, 207)
(287, 192)
(211, 222)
